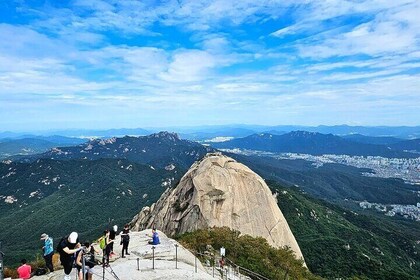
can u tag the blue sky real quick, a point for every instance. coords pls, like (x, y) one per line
(110, 64)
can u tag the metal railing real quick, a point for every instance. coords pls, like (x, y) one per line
(230, 270)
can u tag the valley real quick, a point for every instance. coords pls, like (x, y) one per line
(407, 169)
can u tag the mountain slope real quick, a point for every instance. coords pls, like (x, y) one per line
(309, 143)
(159, 150)
(340, 243)
(408, 145)
(359, 138)
(75, 195)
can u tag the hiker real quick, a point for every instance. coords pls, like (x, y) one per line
(107, 250)
(48, 250)
(125, 239)
(112, 234)
(155, 237)
(222, 262)
(66, 248)
(24, 270)
(88, 253)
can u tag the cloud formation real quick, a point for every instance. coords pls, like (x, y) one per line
(149, 63)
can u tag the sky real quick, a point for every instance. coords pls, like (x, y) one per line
(126, 63)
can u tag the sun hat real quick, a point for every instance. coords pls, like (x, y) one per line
(44, 236)
(73, 237)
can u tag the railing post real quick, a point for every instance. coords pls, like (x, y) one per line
(176, 256)
(195, 264)
(153, 257)
(214, 263)
(138, 263)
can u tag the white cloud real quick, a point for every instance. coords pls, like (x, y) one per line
(126, 57)
(394, 30)
(189, 66)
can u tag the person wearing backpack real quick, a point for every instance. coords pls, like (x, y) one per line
(48, 251)
(66, 248)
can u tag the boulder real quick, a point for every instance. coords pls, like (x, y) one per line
(218, 191)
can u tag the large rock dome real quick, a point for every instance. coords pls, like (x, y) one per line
(217, 191)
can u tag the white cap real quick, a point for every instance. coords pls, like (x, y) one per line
(73, 237)
(115, 228)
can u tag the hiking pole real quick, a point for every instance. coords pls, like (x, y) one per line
(138, 263)
(113, 273)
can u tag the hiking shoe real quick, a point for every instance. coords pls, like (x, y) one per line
(128, 254)
(123, 257)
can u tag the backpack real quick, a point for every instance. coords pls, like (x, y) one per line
(102, 242)
(59, 247)
(40, 271)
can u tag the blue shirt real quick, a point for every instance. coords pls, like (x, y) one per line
(156, 240)
(48, 246)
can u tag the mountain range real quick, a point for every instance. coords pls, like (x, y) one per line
(93, 185)
(158, 150)
(317, 144)
(199, 133)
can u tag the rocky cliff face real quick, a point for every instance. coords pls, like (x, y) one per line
(218, 191)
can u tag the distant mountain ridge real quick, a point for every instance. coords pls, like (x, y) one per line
(310, 143)
(407, 145)
(34, 144)
(359, 138)
(155, 149)
(199, 133)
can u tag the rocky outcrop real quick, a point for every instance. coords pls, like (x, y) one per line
(217, 191)
(141, 253)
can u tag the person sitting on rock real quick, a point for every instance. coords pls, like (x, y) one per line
(155, 237)
(24, 270)
(88, 253)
